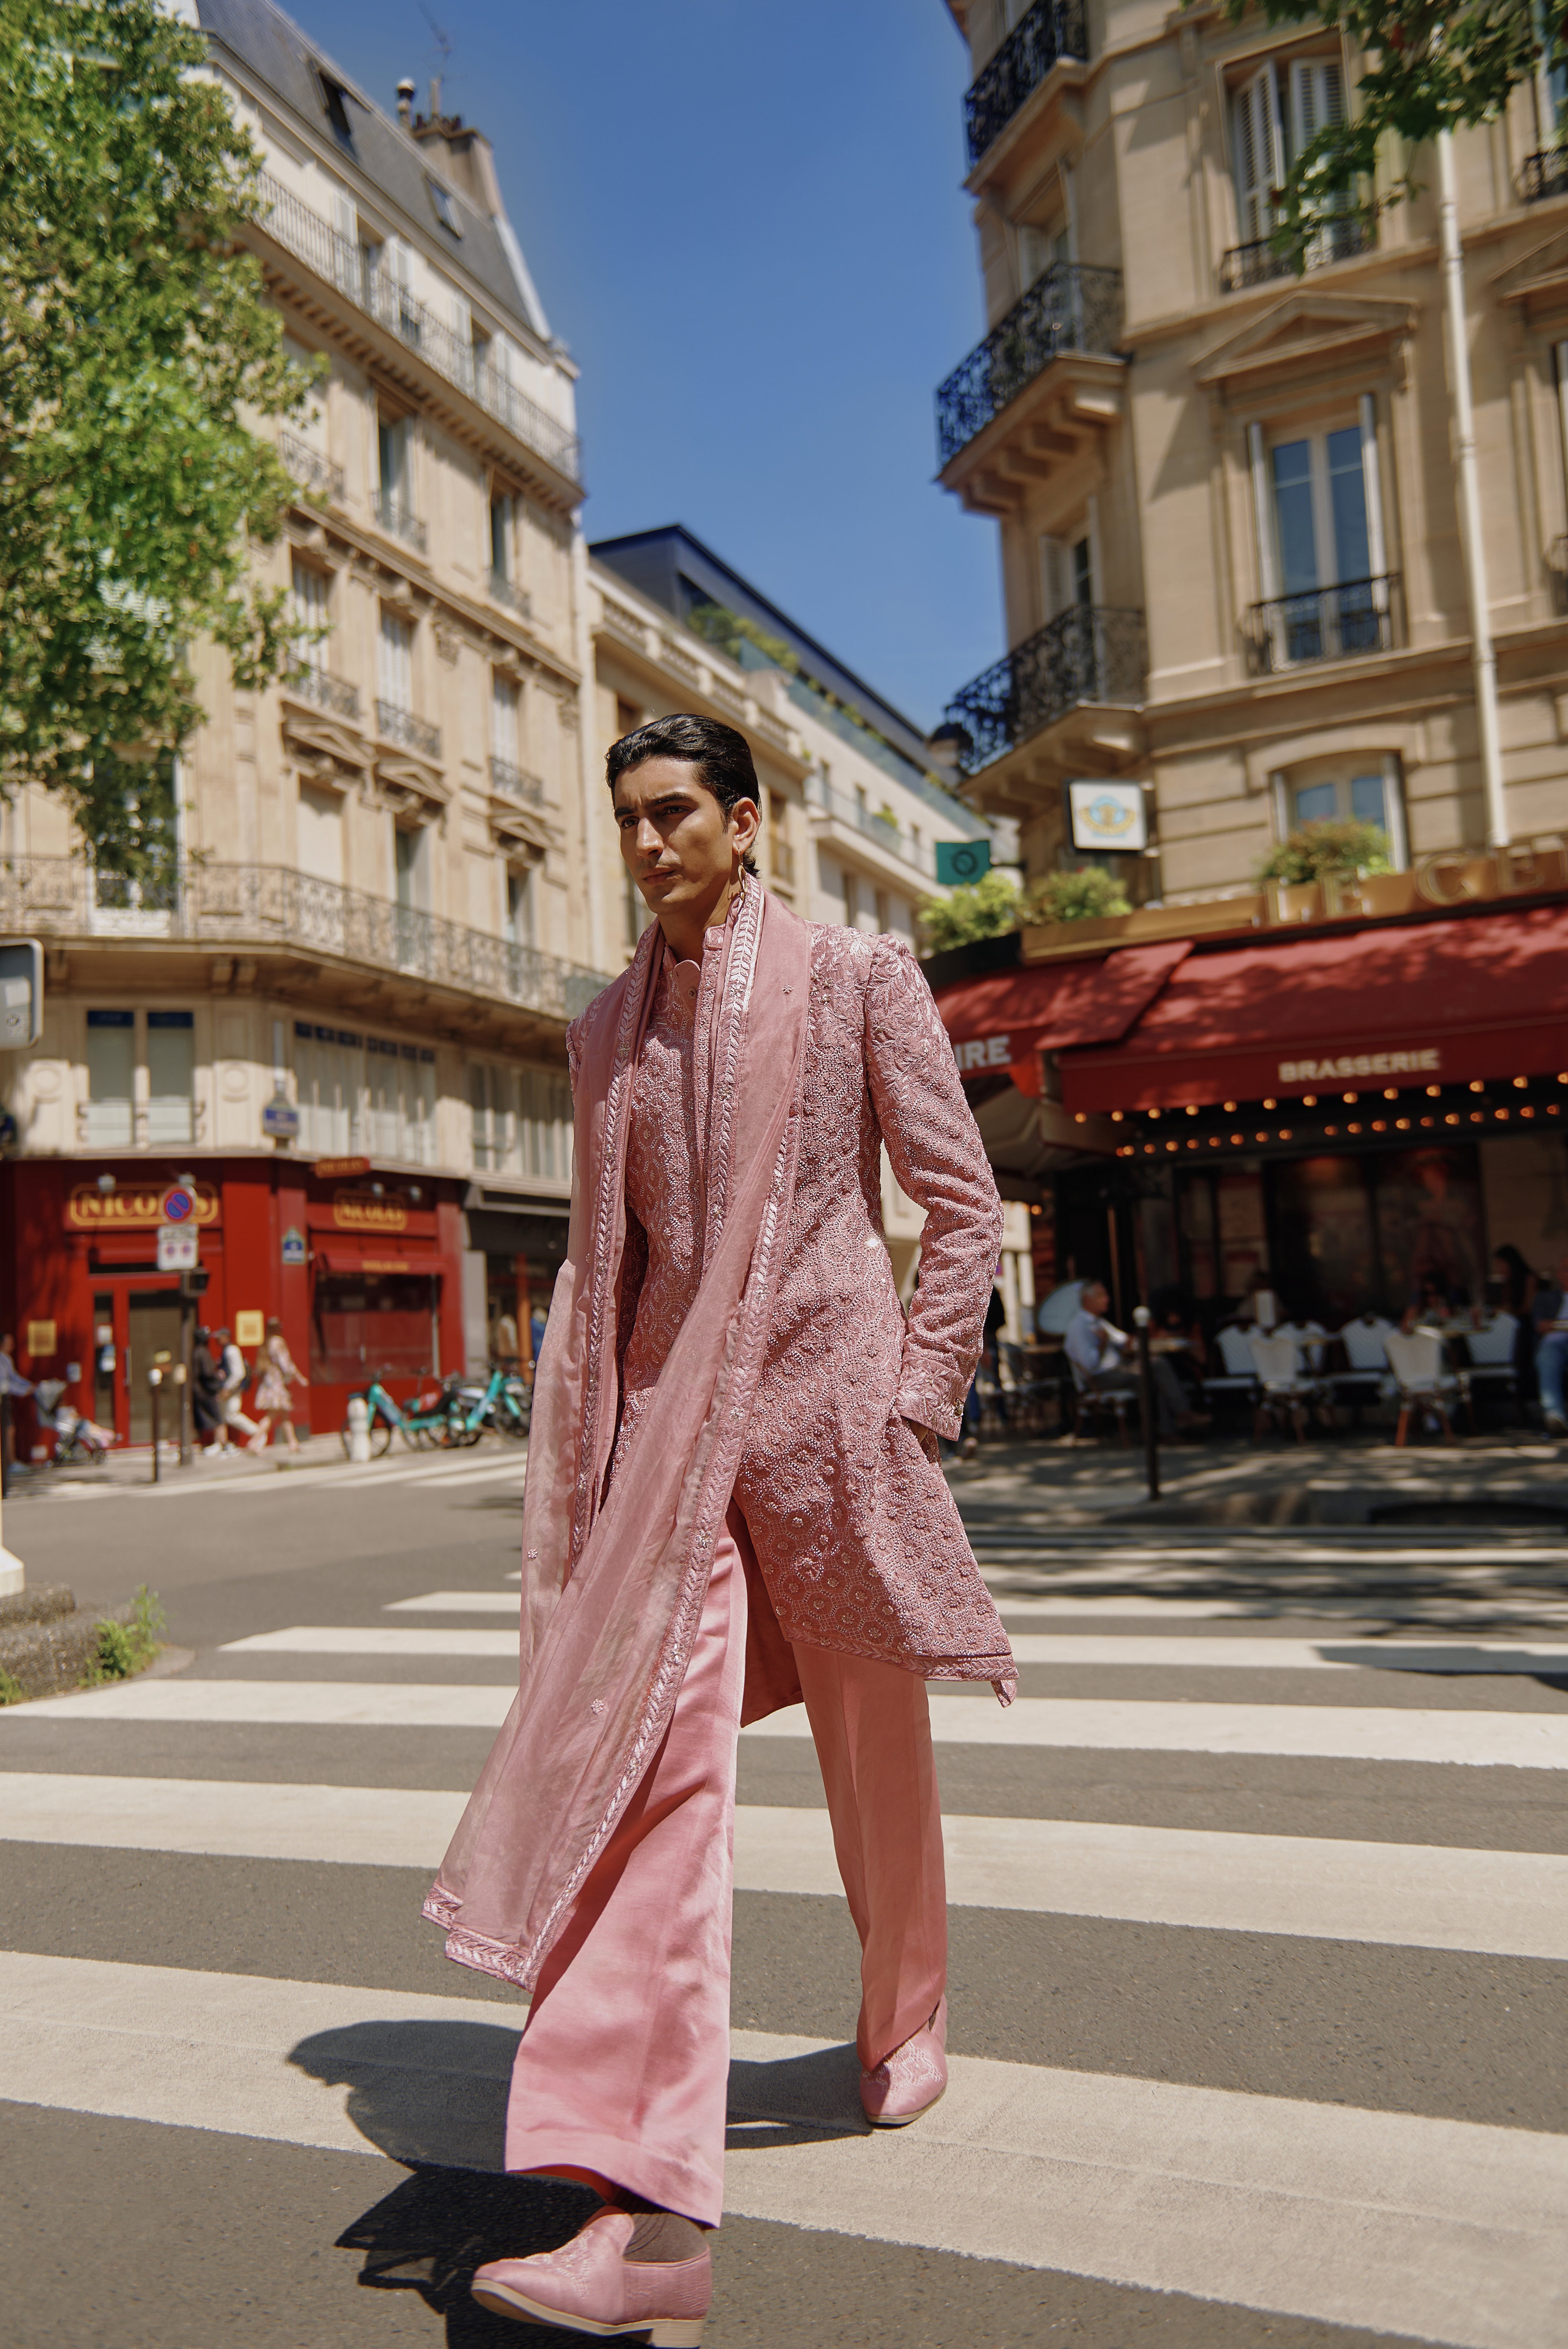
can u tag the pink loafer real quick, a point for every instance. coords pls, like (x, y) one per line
(648, 2274)
(911, 2080)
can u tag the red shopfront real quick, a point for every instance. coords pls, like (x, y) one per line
(364, 1273)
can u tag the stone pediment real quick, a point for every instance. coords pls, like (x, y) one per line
(1540, 278)
(1301, 328)
(519, 829)
(408, 782)
(322, 749)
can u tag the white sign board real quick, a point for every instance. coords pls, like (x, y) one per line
(1109, 816)
(177, 1245)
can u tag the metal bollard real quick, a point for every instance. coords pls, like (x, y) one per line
(1142, 1318)
(155, 1381)
(358, 1428)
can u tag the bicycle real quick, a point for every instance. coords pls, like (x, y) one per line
(426, 1419)
(501, 1403)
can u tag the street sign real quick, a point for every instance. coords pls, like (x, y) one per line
(21, 993)
(280, 1119)
(962, 860)
(179, 1206)
(177, 1248)
(293, 1244)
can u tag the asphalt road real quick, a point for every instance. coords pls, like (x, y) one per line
(1260, 1940)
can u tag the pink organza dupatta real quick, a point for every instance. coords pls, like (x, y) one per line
(611, 1594)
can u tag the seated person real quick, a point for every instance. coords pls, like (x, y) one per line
(1096, 1348)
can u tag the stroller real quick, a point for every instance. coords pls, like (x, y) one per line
(76, 1438)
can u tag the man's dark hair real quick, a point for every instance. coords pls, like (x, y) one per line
(722, 758)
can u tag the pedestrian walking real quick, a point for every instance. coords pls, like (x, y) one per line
(206, 1392)
(732, 1504)
(278, 1374)
(235, 1379)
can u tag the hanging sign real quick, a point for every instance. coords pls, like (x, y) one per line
(338, 1169)
(958, 861)
(1109, 816)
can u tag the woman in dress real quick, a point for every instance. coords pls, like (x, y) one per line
(278, 1374)
(732, 1504)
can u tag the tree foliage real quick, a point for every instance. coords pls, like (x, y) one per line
(1318, 848)
(986, 908)
(1429, 65)
(135, 340)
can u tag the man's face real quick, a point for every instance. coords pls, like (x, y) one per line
(1096, 1297)
(679, 845)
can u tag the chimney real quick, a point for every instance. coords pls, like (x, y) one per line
(405, 101)
(466, 156)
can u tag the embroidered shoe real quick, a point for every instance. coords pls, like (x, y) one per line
(911, 2080)
(645, 2274)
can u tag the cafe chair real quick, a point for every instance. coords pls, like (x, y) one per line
(1093, 1407)
(1240, 1377)
(1423, 1385)
(1492, 1370)
(1285, 1394)
(1369, 1378)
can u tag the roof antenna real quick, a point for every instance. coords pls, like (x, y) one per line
(443, 42)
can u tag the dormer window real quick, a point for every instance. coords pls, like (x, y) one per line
(441, 203)
(335, 98)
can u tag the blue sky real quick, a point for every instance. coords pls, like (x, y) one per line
(745, 222)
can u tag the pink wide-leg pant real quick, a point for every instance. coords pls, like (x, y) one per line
(623, 2066)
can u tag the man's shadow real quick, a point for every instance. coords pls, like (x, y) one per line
(432, 2096)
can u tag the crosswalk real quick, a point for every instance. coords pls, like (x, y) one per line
(1221, 1781)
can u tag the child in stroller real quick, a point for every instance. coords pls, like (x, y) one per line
(76, 1438)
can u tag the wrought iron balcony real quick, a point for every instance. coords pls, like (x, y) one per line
(271, 908)
(1337, 240)
(1543, 174)
(394, 513)
(354, 271)
(505, 777)
(1072, 307)
(505, 591)
(310, 468)
(327, 692)
(1052, 29)
(395, 724)
(1088, 653)
(1323, 624)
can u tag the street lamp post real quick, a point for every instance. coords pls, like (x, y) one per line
(1141, 1320)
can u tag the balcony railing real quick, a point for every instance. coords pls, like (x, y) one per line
(1072, 307)
(1323, 624)
(1258, 263)
(1543, 174)
(394, 514)
(395, 724)
(1052, 29)
(505, 591)
(327, 692)
(354, 271)
(514, 783)
(1089, 653)
(310, 468)
(273, 908)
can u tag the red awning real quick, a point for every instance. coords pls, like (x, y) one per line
(1008, 1018)
(1439, 1002)
(380, 1255)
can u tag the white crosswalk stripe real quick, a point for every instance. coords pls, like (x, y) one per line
(1392, 2220)
(1431, 1896)
(1457, 2226)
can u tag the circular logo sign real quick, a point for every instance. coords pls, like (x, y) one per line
(969, 863)
(179, 1205)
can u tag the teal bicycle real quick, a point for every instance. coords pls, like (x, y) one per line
(427, 1420)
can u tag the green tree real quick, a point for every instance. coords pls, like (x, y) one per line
(1092, 894)
(1431, 65)
(1319, 848)
(986, 908)
(135, 340)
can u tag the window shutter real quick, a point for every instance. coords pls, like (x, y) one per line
(1260, 153)
(1056, 575)
(1316, 99)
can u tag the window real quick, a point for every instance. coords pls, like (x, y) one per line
(1040, 249)
(443, 207)
(520, 906)
(170, 1078)
(111, 1079)
(412, 866)
(1067, 575)
(392, 459)
(318, 836)
(335, 98)
(310, 590)
(493, 1116)
(501, 537)
(1360, 791)
(521, 1122)
(1326, 593)
(1270, 125)
(504, 700)
(328, 1082)
(1320, 510)
(364, 1094)
(397, 661)
(628, 716)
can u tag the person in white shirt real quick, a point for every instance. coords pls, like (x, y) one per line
(236, 1373)
(1097, 1350)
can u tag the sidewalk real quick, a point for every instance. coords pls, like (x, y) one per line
(133, 1464)
(1354, 1480)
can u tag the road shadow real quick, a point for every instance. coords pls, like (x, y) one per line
(431, 2232)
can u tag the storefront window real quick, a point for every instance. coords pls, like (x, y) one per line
(1429, 1230)
(381, 1326)
(170, 1078)
(111, 1079)
(1324, 1218)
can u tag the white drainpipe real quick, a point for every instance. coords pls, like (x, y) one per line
(1483, 659)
